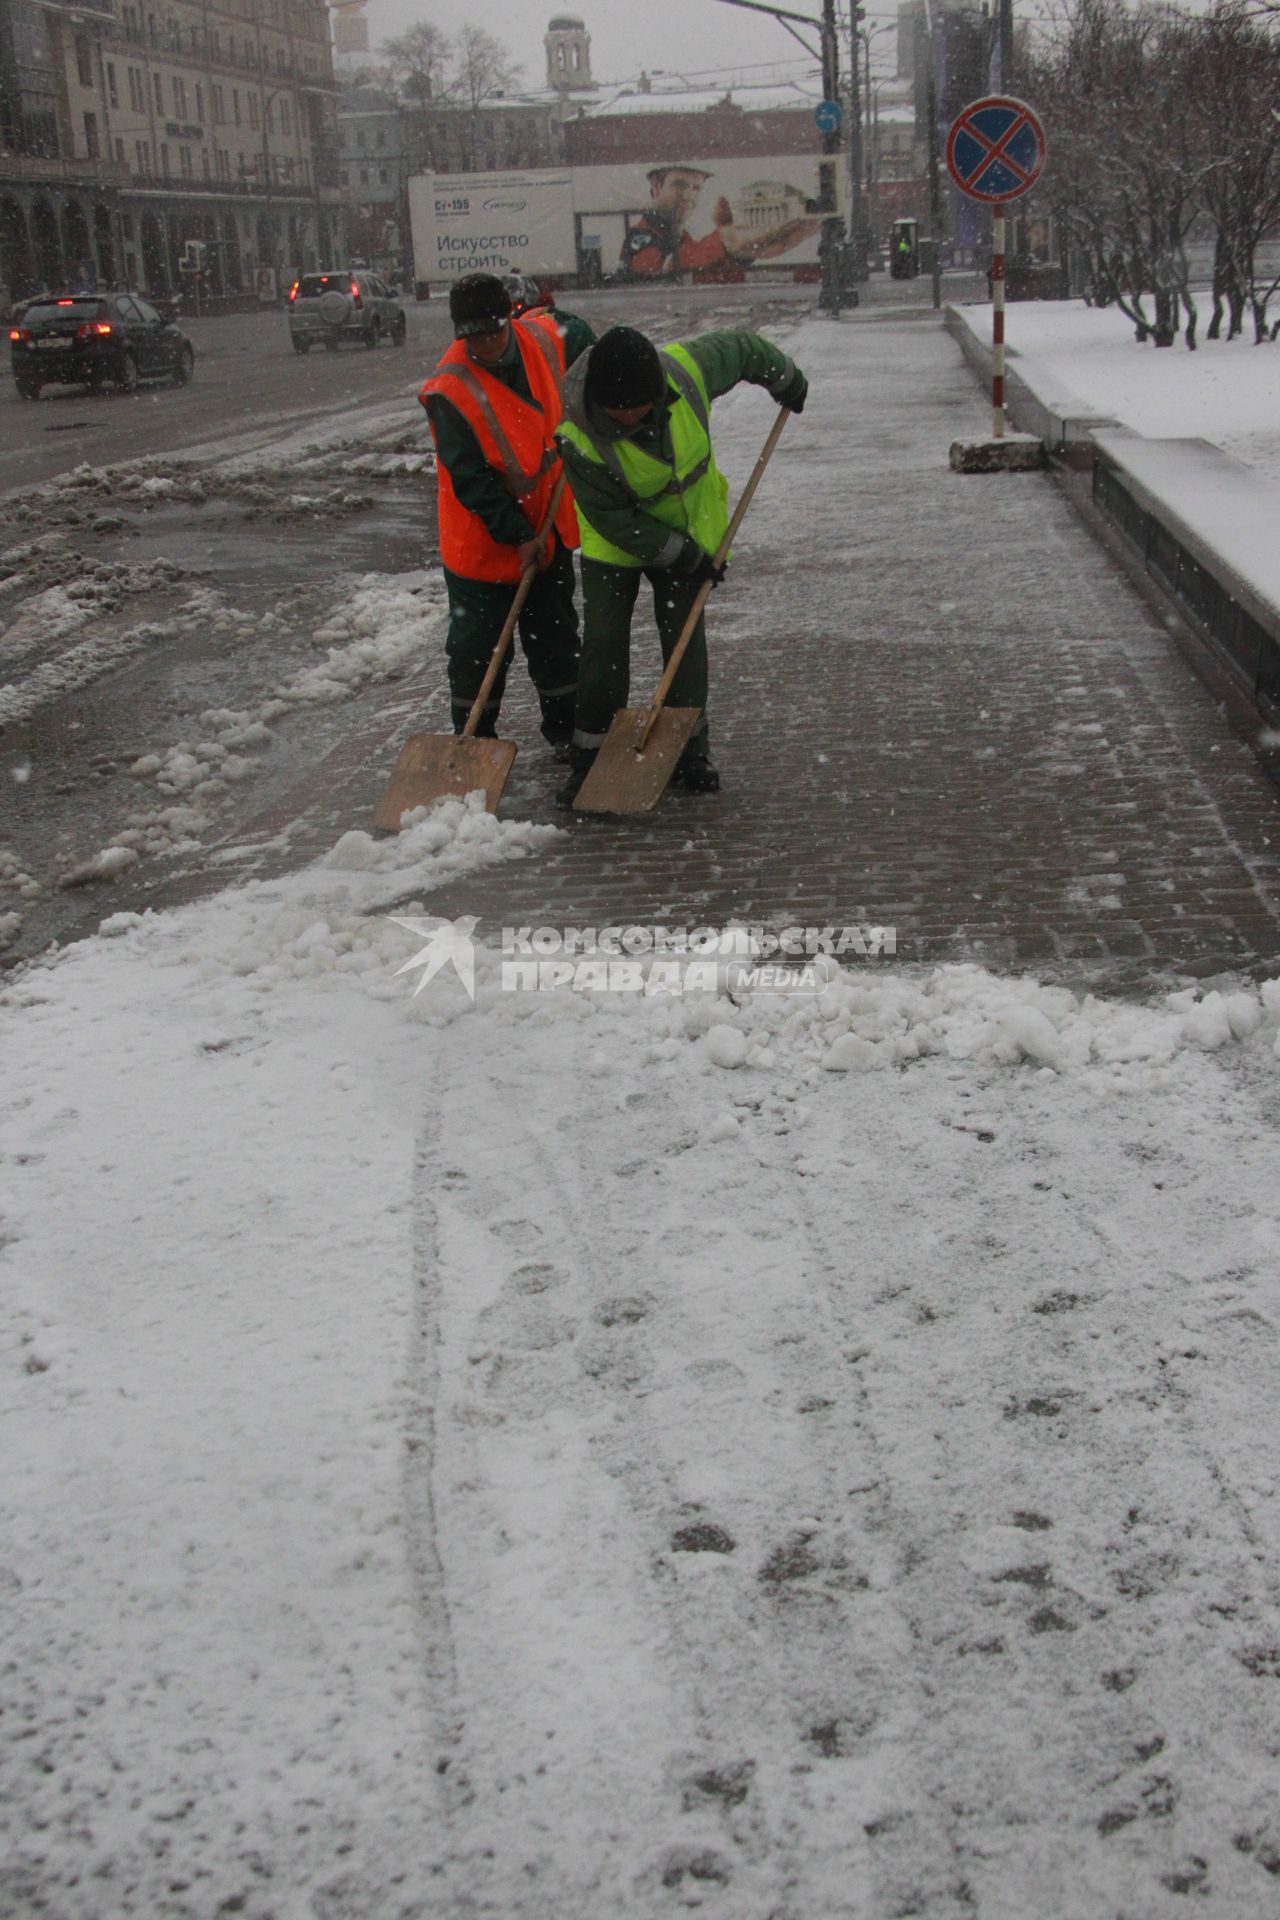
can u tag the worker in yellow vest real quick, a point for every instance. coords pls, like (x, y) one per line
(494, 403)
(651, 501)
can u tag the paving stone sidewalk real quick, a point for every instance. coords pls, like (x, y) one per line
(952, 715)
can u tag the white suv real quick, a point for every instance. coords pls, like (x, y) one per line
(344, 305)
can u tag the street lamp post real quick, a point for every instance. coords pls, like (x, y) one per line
(935, 183)
(857, 223)
(830, 248)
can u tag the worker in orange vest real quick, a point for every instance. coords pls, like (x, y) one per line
(494, 403)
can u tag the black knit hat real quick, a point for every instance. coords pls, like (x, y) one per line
(478, 303)
(624, 370)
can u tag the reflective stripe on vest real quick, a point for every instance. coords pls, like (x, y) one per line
(509, 430)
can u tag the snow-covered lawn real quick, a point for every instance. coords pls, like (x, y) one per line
(495, 1460)
(1225, 392)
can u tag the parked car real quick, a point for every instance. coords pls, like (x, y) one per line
(526, 295)
(352, 304)
(95, 340)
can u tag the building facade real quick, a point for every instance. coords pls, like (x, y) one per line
(130, 130)
(373, 161)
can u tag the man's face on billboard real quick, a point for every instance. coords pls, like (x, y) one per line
(677, 192)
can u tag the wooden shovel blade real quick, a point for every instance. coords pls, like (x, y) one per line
(436, 766)
(624, 781)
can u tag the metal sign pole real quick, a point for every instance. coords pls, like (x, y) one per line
(997, 323)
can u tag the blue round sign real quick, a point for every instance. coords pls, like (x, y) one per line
(828, 116)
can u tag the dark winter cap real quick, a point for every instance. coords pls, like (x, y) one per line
(478, 303)
(624, 370)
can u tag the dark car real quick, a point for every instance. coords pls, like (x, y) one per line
(95, 340)
(526, 295)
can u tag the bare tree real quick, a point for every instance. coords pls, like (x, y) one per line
(1232, 83)
(420, 60)
(482, 67)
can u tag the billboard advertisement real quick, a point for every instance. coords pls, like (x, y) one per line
(700, 217)
(492, 222)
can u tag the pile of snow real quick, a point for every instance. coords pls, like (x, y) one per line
(865, 1020)
(381, 630)
(15, 876)
(387, 625)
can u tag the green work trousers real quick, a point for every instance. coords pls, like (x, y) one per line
(548, 629)
(604, 673)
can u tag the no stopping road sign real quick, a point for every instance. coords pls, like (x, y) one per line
(995, 149)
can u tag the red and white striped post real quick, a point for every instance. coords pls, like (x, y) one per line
(997, 323)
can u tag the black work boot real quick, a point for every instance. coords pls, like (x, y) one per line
(557, 723)
(581, 761)
(694, 772)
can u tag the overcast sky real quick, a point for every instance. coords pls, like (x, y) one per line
(705, 41)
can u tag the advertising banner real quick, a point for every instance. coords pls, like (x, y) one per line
(708, 216)
(492, 222)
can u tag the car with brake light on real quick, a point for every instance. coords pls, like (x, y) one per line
(327, 308)
(95, 340)
(526, 295)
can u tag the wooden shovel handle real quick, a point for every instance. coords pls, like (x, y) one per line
(704, 591)
(509, 624)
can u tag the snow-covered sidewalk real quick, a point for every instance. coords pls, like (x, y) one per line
(1226, 392)
(495, 1459)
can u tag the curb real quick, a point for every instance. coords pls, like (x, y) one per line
(1112, 475)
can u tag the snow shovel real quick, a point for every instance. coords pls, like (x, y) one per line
(641, 749)
(434, 765)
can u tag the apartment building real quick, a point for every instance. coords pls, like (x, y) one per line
(129, 128)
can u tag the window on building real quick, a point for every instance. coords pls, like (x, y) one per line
(224, 164)
(364, 176)
(204, 162)
(132, 24)
(361, 138)
(120, 151)
(91, 146)
(137, 98)
(155, 88)
(199, 103)
(235, 105)
(184, 156)
(84, 60)
(152, 35)
(286, 120)
(381, 140)
(383, 175)
(112, 94)
(142, 149)
(253, 109)
(164, 160)
(179, 97)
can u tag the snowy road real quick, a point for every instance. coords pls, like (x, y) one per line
(501, 1462)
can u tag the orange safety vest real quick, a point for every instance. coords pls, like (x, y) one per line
(517, 440)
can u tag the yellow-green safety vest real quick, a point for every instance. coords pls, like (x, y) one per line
(689, 495)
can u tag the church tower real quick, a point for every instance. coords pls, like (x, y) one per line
(568, 46)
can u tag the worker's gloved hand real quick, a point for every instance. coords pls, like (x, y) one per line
(705, 568)
(793, 392)
(531, 555)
